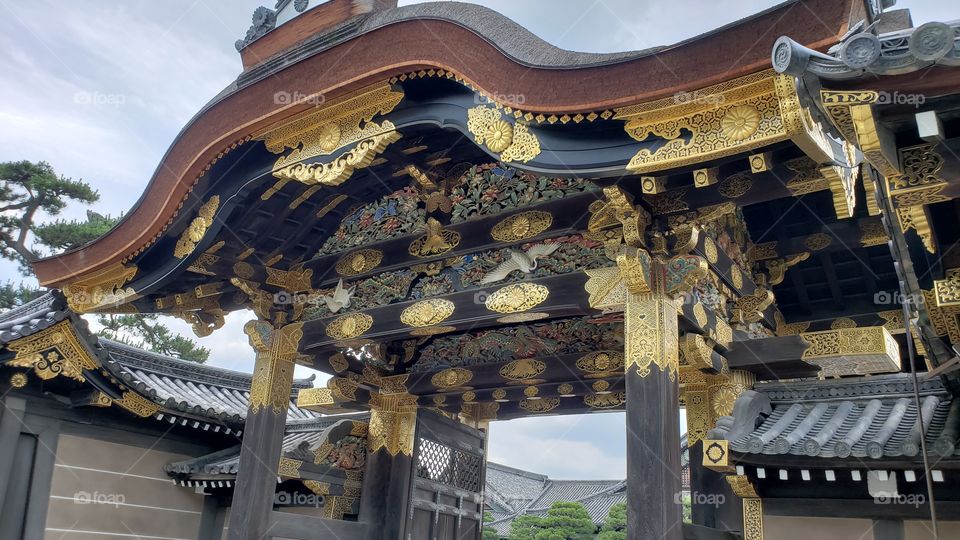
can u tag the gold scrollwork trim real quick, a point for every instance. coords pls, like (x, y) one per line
(749, 116)
(753, 519)
(514, 142)
(289, 468)
(53, 351)
(290, 280)
(273, 369)
(393, 420)
(137, 404)
(324, 130)
(340, 169)
(103, 289)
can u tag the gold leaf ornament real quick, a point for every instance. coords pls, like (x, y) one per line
(740, 122)
(517, 297)
(349, 326)
(499, 135)
(427, 312)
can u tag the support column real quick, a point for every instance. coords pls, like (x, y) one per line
(11, 418)
(651, 363)
(263, 432)
(389, 472)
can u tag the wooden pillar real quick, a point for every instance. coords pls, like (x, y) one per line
(389, 471)
(651, 363)
(263, 432)
(653, 431)
(11, 420)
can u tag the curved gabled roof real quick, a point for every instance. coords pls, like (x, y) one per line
(493, 55)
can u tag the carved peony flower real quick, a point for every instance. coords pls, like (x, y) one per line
(740, 122)
(499, 136)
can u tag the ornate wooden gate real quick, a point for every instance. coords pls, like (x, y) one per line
(446, 499)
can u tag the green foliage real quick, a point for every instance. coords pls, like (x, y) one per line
(567, 521)
(148, 333)
(615, 526)
(525, 528)
(488, 532)
(62, 235)
(27, 189)
(15, 294)
(564, 521)
(687, 509)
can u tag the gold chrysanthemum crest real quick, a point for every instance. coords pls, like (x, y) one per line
(349, 326)
(517, 297)
(522, 226)
(427, 312)
(451, 378)
(358, 262)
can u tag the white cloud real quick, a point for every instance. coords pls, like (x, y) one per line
(554, 446)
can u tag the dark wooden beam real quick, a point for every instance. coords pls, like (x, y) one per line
(856, 508)
(771, 358)
(566, 299)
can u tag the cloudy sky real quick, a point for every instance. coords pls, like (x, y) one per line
(100, 88)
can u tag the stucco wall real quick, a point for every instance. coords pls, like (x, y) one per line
(920, 530)
(104, 489)
(803, 528)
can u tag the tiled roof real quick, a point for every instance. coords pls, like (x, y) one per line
(528, 493)
(189, 387)
(32, 317)
(514, 488)
(861, 417)
(227, 461)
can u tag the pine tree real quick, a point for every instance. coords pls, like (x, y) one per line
(567, 521)
(489, 533)
(615, 526)
(29, 190)
(525, 528)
